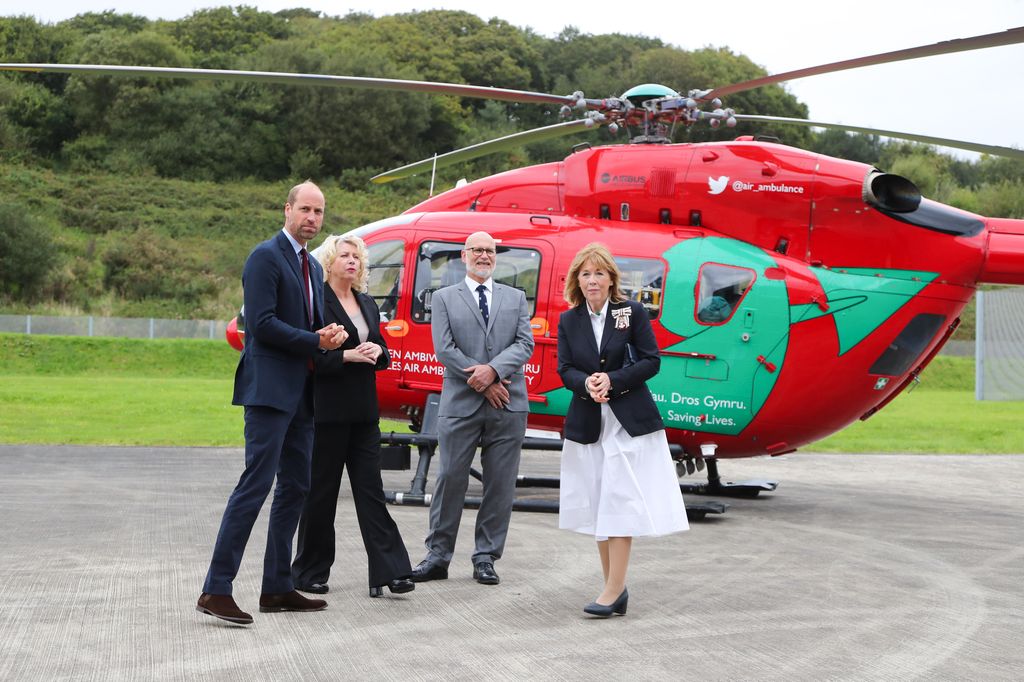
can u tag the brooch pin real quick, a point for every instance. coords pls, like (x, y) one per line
(621, 316)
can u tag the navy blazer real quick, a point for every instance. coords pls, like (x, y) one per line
(579, 357)
(280, 338)
(346, 392)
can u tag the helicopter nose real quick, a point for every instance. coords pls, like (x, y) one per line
(1004, 258)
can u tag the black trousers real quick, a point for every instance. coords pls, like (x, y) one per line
(357, 447)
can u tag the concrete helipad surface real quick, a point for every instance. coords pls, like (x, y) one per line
(858, 567)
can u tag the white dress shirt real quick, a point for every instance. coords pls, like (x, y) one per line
(597, 321)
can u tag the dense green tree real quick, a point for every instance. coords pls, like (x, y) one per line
(346, 127)
(24, 40)
(217, 36)
(844, 145)
(103, 104)
(1004, 199)
(91, 23)
(995, 169)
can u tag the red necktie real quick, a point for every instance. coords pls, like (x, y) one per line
(306, 287)
(305, 295)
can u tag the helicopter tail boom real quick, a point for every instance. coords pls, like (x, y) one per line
(1004, 259)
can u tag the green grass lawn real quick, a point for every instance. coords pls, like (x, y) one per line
(118, 410)
(935, 421)
(177, 392)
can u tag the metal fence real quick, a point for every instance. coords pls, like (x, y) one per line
(131, 327)
(999, 372)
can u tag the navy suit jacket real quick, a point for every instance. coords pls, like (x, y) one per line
(346, 392)
(579, 357)
(280, 338)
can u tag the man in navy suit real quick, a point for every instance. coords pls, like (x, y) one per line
(283, 293)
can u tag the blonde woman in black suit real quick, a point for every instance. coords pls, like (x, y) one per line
(618, 480)
(347, 432)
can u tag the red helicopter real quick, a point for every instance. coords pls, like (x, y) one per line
(791, 293)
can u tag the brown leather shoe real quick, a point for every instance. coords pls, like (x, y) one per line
(222, 606)
(289, 601)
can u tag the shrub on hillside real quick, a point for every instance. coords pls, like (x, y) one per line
(27, 255)
(146, 266)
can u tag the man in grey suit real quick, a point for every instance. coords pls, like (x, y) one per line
(481, 333)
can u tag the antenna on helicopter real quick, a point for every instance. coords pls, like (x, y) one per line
(433, 174)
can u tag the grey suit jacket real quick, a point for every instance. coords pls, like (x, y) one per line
(461, 340)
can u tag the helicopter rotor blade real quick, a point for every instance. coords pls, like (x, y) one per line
(484, 148)
(1011, 36)
(456, 89)
(914, 137)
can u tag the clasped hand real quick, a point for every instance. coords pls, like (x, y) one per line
(484, 379)
(480, 377)
(332, 336)
(367, 351)
(598, 385)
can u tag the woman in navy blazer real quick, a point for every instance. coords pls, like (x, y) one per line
(618, 480)
(348, 433)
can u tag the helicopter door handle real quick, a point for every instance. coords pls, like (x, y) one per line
(396, 328)
(702, 356)
(770, 366)
(709, 156)
(769, 169)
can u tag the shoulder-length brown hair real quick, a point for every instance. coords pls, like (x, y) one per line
(600, 256)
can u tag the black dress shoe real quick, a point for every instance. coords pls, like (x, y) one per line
(485, 574)
(315, 588)
(289, 601)
(605, 610)
(397, 586)
(425, 571)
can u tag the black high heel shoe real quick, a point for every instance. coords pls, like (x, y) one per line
(604, 611)
(396, 586)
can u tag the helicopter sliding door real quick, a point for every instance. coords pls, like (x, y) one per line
(728, 302)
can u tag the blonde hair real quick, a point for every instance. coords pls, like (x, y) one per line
(599, 254)
(327, 252)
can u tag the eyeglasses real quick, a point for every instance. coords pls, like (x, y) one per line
(479, 251)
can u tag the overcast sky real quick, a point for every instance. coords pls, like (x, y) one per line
(976, 96)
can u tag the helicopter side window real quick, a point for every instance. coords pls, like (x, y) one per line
(439, 265)
(386, 276)
(642, 280)
(720, 289)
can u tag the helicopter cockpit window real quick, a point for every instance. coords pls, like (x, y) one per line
(642, 280)
(439, 264)
(386, 275)
(719, 291)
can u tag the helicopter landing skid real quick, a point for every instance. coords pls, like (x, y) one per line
(418, 497)
(715, 485)
(695, 511)
(426, 442)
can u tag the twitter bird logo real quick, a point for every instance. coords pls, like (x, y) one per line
(717, 185)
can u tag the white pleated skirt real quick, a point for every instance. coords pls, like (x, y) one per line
(620, 486)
